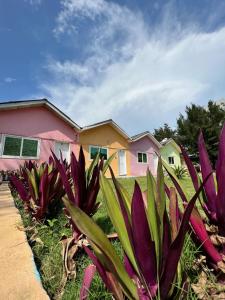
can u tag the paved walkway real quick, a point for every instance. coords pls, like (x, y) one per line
(19, 279)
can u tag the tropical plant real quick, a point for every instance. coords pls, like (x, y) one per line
(40, 188)
(151, 239)
(180, 171)
(209, 232)
(81, 187)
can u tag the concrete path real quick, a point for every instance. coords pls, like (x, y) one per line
(19, 279)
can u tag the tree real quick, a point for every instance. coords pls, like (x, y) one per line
(210, 119)
(164, 132)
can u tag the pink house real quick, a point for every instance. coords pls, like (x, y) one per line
(31, 129)
(143, 151)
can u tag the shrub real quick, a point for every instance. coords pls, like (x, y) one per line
(180, 172)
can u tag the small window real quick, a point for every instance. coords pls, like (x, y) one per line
(142, 157)
(30, 148)
(171, 160)
(95, 150)
(12, 146)
(20, 147)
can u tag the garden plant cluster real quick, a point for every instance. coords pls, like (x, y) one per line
(158, 242)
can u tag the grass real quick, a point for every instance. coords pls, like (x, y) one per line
(47, 249)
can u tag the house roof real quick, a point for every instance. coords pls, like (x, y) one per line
(141, 135)
(36, 103)
(167, 141)
(108, 122)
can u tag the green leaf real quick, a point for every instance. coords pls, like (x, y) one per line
(115, 214)
(91, 167)
(32, 178)
(160, 198)
(95, 234)
(152, 213)
(126, 197)
(108, 162)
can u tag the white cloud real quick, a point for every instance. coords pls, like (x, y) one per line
(34, 2)
(9, 79)
(139, 77)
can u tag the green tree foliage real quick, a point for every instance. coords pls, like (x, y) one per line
(210, 119)
(164, 132)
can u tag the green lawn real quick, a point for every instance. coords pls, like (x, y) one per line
(48, 254)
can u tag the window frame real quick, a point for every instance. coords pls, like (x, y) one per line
(99, 147)
(4, 136)
(141, 152)
(169, 160)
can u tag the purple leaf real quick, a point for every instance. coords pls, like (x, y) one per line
(201, 233)
(166, 239)
(62, 170)
(206, 169)
(93, 189)
(128, 266)
(190, 167)
(144, 247)
(110, 282)
(82, 176)
(20, 188)
(220, 174)
(176, 248)
(89, 273)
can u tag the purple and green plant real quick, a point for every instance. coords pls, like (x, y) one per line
(151, 239)
(212, 200)
(81, 187)
(40, 188)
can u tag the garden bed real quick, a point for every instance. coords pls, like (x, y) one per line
(45, 241)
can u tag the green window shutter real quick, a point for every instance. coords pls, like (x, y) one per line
(144, 158)
(30, 148)
(94, 151)
(103, 153)
(12, 146)
(139, 157)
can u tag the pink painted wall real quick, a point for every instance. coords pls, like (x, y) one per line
(37, 122)
(143, 145)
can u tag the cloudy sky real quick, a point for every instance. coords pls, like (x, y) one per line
(139, 62)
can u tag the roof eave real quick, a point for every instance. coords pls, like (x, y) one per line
(36, 103)
(150, 137)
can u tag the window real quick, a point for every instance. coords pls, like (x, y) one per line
(142, 157)
(171, 160)
(20, 147)
(94, 151)
(30, 148)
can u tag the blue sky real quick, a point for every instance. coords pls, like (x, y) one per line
(139, 62)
